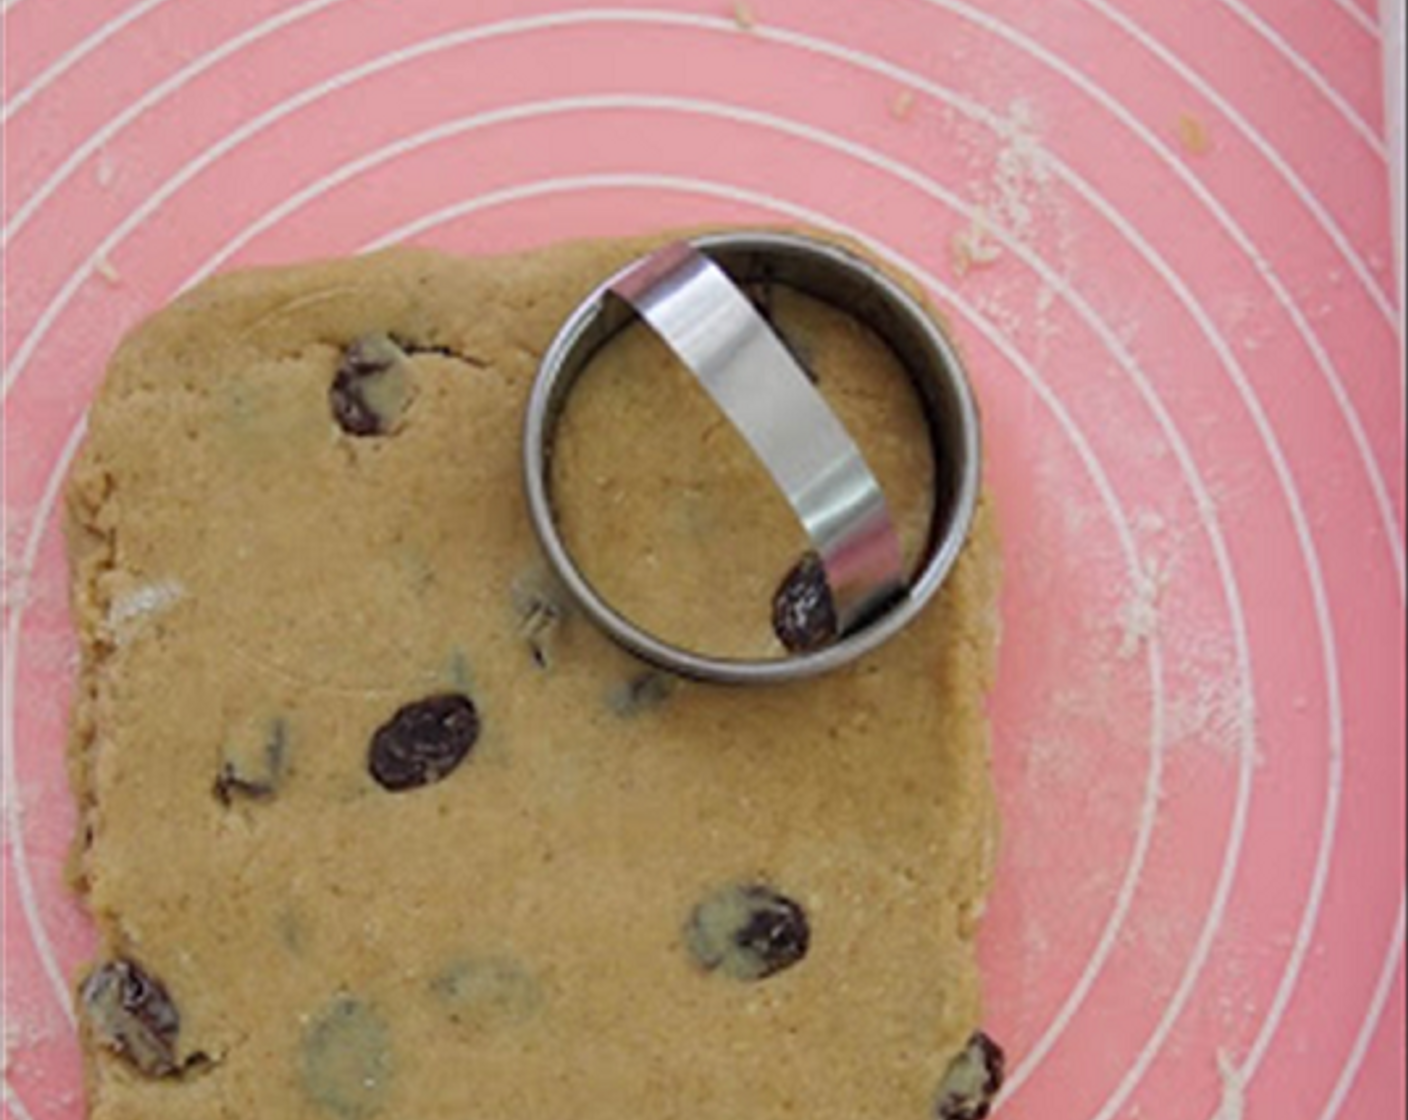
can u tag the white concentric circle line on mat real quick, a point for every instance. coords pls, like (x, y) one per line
(1302, 65)
(13, 1099)
(24, 882)
(1359, 16)
(153, 96)
(1388, 976)
(963, 104)
(74, 55)
(1264, 268)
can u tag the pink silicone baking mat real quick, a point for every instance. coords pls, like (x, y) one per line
(1161, 233)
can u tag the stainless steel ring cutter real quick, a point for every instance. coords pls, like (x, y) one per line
(688, 293)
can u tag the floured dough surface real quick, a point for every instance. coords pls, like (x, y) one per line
(299, 544)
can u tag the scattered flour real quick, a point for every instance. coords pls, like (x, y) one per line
(1210, 711)
(1045, 298)
(1148, 522)
(29, 1023)
(1022, 175)
(104, 171)
(1139, 615)
(1097, 681)
(14, 580)
(1014, 201)
(132, 609)
(1011, 196)
(973, 247)
(13, 1040)
(17, 799)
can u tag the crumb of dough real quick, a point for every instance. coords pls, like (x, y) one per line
(131, 609)
(1193, 135)
(973, 247)
(744, 15)
(104, 268)
(902, 105)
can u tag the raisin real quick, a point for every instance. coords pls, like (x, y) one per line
(370, 389)
(347, 1066)
(803, 611)
(132, 1014)
(972, 1080)
(748, 932)
(423, 742)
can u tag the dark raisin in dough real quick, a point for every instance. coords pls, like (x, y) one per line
(748, 932)
(132, 1014)
(803, 612)
(423, 742)
(367, 394)
(972, 1081)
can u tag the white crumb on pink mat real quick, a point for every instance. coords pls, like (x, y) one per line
(15, 588)
(105, 269)
(1139, 615)
(104, 170)
(28, 1024)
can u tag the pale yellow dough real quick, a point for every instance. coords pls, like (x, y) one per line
(508, 943)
